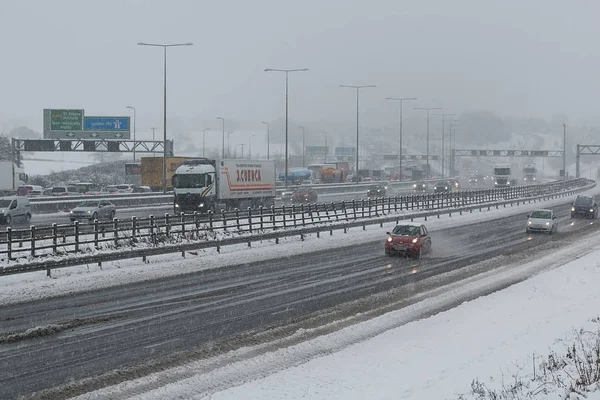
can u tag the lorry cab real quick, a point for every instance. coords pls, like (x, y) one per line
(503, 175)
(193, 186)
(14, 209)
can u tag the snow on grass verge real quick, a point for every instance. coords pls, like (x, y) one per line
(573, 372)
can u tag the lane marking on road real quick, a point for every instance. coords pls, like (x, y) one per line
(282, 311)
(161, 343)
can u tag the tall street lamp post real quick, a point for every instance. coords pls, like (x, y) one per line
(223, 133)
(427, 156)
(268, 140)
(250, 146)
(453, 125)
(564, 151)
(443, 138)
(303, 147)
(228, 146)
(153, 139)
(133, 108)
(204, 142)
(165, 46)
(357, 87)
(401, 100)
(287, 71)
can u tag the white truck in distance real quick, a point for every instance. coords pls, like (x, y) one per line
(529, 172)
(502, 175)
(204, 184)
(11, 177)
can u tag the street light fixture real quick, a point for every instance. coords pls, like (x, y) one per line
(287, 71)
(565, 175)
(428, 110)
(268, 140)
(303, 147)
(165, 46)
(250, 146)
(134, 143)
(153, 139)
(204, 142)
(228, 146)
(453, 126)
(401, 100)
(443, 138)
(223, 134)
(357, 87)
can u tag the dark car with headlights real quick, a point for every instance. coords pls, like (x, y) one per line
(420, 186)
(377, 191)
(443, 187)
(584, 206)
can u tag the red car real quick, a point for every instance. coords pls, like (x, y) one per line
(304, 195)
(409, 239)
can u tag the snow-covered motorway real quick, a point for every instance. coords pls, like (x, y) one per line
(87, 334)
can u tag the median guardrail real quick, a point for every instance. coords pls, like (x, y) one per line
(58, 246)
(127, 200)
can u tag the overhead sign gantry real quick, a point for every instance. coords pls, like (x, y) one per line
(585, 150)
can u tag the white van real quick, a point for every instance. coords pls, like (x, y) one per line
(14, 209)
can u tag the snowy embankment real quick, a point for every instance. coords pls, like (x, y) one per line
(35, 285)
(514, 341)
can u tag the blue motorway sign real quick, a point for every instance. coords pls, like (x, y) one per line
(345, 151)
(106, 124)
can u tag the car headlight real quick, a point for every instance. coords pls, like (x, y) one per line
(389, 239)
(176, 205)
(385, 188)
(414, 185)
(528, 222)
(495, 183)
(89, 211)
(547, 223)
(446, 187)
(591, 210)
(572, 209)
(71, 212)
(201, 205)
(534, 178)
(414, 240)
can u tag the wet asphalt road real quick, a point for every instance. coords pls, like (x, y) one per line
(99, 331)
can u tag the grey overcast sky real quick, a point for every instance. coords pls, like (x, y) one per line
(513, 57)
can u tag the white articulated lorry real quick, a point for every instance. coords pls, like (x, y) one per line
(529, 172)
(204, 184)
(503, 175)
(11, 177)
